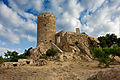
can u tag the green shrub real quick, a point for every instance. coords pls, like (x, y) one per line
(51, 52)
(103, 54)
(115, 50)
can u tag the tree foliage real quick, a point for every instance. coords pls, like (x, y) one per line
(13, 56)
(10, 54)
(27, 52)
(108, 40)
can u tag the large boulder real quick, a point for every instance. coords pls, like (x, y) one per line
(94, 40)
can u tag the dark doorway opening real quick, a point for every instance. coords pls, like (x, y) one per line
(28, 62)
(14, 65)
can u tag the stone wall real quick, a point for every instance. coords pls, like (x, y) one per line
(9, 64)
(25, 62)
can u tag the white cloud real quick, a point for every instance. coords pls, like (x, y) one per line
(92, 5)
(8, 35)
(24, 5)
(68, 13)
(12, 25)
(68, 23)
(9, 17)
(103, 20)
(2, 43)
(29, 38)
(20, 7)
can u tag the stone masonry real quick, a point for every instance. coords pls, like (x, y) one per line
(46, 28)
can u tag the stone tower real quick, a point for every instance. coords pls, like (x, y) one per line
(46, 28)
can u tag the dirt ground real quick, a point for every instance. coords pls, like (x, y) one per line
(71, 70)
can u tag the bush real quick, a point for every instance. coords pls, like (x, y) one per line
(103, 54)
(51, 52)
(1, 59)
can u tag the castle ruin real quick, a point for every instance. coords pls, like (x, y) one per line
(47, 38)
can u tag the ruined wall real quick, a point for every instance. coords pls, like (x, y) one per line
(67, 42)
(70, 38)
(77, 30)
(46, 28)
(21, 62)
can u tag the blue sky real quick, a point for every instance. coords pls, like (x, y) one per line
(18, 19)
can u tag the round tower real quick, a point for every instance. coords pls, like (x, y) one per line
(46, 28)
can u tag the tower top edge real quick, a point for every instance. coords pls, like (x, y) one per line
(46, 14)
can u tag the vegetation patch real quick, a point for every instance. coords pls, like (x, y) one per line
(51, 52)
(13, 56)
(103, 54)
(108, 40)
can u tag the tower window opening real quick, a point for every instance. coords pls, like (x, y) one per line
(50, 40)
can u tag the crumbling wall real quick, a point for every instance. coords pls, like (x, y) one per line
(67, 43)
(25, 62)
(70, 38)
(21, 62)
(10, 64)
